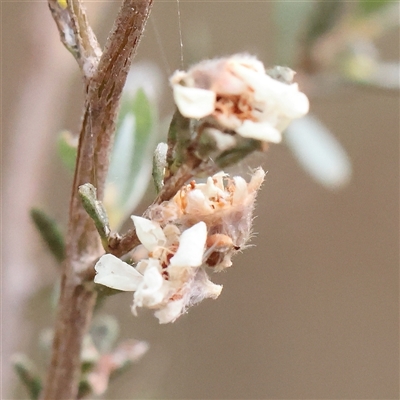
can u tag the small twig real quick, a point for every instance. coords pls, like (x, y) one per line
(83, 245)
(118, 245)
(76, 34)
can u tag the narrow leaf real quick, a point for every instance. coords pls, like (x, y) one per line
(127, 352)
(50, 233)
(322, 19)
(386, 76)
(104, 332)
(319, 152)
(159, 164)
(131, 160)
(67, 149)
(289, 20)
(26, 372)
(236, 154)
(84, 388)
(368, 6)
(96, 211)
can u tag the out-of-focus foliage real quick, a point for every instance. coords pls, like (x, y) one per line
(67, 149)
(50, 233)
(368, 6)
(334, 40)
(319, 152)
(26, 371)
(289, 20)
(131, 160)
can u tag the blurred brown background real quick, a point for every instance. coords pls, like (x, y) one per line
(312, 311)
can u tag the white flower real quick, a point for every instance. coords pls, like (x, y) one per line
(171, 279)
(114, 273)
(153, 288)
(191, 247)
(170, 312)
(196, 102)
(225, 204)
(238, 94)
(149, 233)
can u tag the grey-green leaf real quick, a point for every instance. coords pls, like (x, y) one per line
(26, 372)
(50, 233)
(159, 164)
(319, 152)
(384, 75)
(96, 211)
(67, 149)
(104, 332)
(368, 6)
(131, 160)
(322, 19)
(289, 20)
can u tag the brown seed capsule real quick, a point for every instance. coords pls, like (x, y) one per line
(218, 241)
(219, 246)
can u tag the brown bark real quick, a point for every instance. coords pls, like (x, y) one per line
(104, 80)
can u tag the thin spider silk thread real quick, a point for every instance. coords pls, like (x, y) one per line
(159, 43)
(180, 30)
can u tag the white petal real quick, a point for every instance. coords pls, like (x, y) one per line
(145, 264)
(170, 312)
(269, 88)
(116, 274)
(256, 180)
(197, 202)
(202, 288)
(223, 141)
(212, 290)
(295, 104)
(250, 62)
(149, 233)
(249, 75)
(152, 291)
(191, 247)
(211, 190)
(152, 280)
(219, 179)
(260, 131)
(228, 121)
(172, 233)
(240, 190)
(194, 102)
(289, 101)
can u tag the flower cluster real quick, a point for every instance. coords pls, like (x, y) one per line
(225, 204)
(203, 225)
(235, 102)
(237, 95)
(170, 279)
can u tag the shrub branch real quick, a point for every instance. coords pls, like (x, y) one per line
(104, 77)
